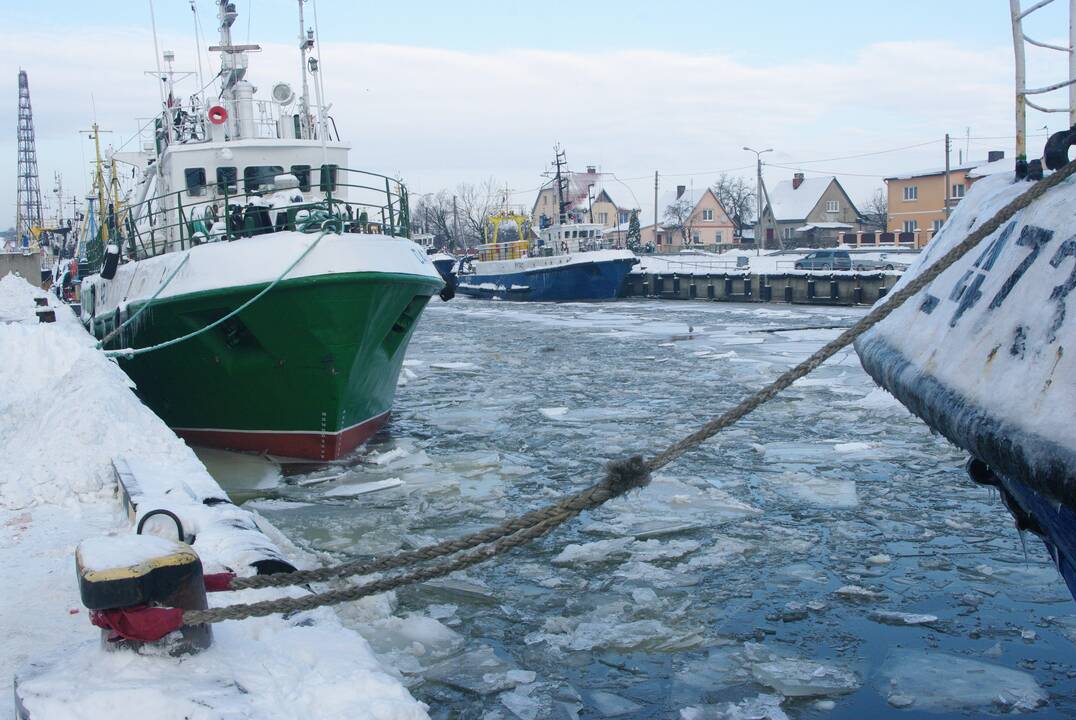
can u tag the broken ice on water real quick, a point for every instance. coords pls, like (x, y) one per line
(760, 576)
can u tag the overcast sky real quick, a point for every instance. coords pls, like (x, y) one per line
(444, 92)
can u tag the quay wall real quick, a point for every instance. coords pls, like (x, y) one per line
(841, 288)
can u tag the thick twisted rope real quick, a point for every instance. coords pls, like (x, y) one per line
(621, 476)
(146, 305)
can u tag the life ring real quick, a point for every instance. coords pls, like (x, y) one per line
(217, 115)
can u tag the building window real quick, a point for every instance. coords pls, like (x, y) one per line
(911, 192)
(958, 190)
(707, 214)
(938, 225)
(911, 225)
(195, 178)
(623, 217)
(787, 232)
(545, 199)
(832, 206)
(603, 218)
(695, 238)
(719, 238)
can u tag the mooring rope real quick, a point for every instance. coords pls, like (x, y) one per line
(621, 475)
(132, 352)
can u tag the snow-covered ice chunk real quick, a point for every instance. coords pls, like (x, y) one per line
(819, 490)
(940, 681)
(857, 592)
(480, 671)
(363, 488)
(894, 617)
(554, 412)
(612, 705)
(851, 447)
(600, 551)
(763, 707)
(795, 677)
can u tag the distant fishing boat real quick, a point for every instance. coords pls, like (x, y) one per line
(568, 260)
(985, 354)
(238, 195)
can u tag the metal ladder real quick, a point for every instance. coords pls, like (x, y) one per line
(1020, 40)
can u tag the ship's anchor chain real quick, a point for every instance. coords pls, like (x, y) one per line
(621, 475)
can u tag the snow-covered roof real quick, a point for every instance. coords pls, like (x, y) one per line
(936, 171)
(795, 203)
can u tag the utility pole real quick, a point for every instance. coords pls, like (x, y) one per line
(655, 209)
(455, 223)
(948, 185)
(760, 239)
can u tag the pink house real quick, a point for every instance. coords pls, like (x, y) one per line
(689, 219)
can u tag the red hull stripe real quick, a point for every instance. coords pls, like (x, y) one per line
(293, 444)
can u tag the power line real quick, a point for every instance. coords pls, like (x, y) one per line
(823, 172)
(867, 154)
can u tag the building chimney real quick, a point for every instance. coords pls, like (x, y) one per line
(680, 190)
(797, 180)
(995, 155)
(591, 169)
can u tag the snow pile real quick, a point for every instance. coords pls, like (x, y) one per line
(66, 413)
(61, 416)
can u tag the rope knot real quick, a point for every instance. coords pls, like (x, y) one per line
(626, 474)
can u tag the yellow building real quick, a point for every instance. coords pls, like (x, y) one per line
(917, 200)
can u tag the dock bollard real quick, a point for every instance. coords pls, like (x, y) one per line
(136, 588)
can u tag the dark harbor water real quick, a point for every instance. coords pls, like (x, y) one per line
(825, 558)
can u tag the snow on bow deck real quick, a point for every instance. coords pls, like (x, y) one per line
(66, 414)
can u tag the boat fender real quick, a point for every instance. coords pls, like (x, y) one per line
(217, 115)
(449, 290)
(1034, 170)
(1056, 153)
(112, 262)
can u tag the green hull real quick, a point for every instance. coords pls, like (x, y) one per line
(307, 371)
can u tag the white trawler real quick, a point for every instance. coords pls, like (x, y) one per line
(245, 199)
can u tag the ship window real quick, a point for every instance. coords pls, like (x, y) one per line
(227, 180)
(302, 173)
(327, 177)
(257, 177)
(195, 178)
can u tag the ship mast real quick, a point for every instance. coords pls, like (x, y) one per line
(561, 181)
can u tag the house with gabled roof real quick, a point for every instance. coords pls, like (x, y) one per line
(697, 220)
(588, 199)
(807, 212)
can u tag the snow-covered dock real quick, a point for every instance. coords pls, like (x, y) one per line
(70, 424)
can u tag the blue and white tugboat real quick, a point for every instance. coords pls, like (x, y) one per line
(568, 260)
(986, 354)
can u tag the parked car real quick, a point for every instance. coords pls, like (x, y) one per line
(884, 264)
(825, 260)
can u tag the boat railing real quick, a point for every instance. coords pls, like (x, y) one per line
(362, 202)
(512, 250)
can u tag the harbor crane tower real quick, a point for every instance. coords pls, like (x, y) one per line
(28, 214)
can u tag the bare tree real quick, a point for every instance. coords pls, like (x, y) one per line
(876, 211)
(738, 198)
(432, 213)
(678, 217)
(476, 202)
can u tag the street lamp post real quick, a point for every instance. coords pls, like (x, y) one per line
(759, 241)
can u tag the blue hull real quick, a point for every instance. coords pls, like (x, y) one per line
(601, 280)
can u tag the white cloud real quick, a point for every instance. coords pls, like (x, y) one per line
(439, 116)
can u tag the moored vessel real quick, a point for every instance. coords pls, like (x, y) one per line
(565, 261)
(266, 292)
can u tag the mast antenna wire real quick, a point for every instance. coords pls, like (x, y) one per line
(321, 67)
(198, 50)
(156, 51)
